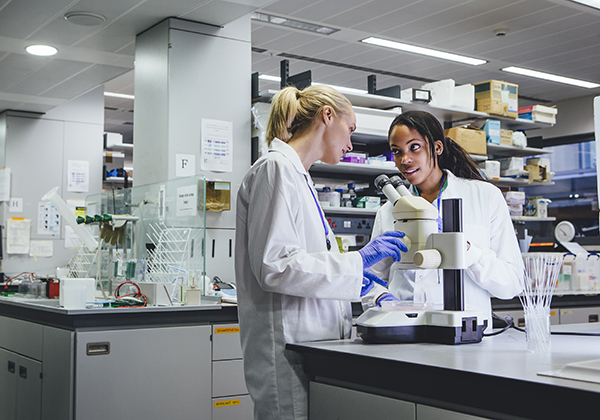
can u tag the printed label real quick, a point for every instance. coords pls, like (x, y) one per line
(227, 330)
(227, 403)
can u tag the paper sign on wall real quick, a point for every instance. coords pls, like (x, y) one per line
(17, 235)
(40, 249)
(48, 219)
(187, 200)
(185, 165)
(78, 176)
(216, 145)
(15, 205)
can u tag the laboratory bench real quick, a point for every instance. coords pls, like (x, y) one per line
(494, 379)
(181, 362)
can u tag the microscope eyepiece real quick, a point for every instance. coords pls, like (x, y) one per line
(381, 181)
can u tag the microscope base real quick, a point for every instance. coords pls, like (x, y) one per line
(389, 325)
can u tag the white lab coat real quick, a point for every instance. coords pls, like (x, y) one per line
(494, 262)
(290, 288)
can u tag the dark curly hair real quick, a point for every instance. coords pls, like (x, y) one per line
(453, 157)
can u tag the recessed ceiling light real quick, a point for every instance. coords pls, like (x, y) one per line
(423, 51)
(305, 26)
(119, 95)
(551, 77)
(85, 18)
(43, 50)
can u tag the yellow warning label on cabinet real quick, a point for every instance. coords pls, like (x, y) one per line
(227, 403)
(227, 330)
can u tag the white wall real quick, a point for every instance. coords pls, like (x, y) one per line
(37, 149)
(575, 116)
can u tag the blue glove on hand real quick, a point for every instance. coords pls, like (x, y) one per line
(387, 297)
(369, 280)
(388, 244)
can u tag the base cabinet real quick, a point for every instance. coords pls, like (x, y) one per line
(186, 372)
(335, 402)
(20, 387)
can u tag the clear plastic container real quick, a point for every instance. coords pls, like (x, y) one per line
(329, 198)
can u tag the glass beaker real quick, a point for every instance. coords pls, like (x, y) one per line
(537, 332)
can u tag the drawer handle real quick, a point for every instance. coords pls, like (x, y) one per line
(23, 372)
(11, 367)
(97, 349)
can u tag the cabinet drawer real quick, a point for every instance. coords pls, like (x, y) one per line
(21, 337)
(579, 315)
(238, 407)
(228, 378)
(332, 402)
(226, 342)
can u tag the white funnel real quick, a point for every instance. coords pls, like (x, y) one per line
(83, 234)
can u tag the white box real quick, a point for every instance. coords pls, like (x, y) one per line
(442, 93)
(74, 293)
(511, 163)
(491, 168)
(464, 97)
(515, 209)
(415, 95)
(515, 197)
(112, 139)
(157, 293)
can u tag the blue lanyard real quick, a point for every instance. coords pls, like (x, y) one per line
(325, 225)
(440, 193)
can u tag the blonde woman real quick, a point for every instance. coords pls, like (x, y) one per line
(293, 284)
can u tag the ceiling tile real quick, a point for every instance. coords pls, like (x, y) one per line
(46, 77)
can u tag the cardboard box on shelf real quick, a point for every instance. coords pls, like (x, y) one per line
(497, 97)
(536, 172)
(492, 131)
(539, 113)
(506, 137)
(469, 138)
(539, 161)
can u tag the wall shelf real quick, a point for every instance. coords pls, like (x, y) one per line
(354, 168)
(532, 219)
(350, 211)
(505, 150)
(357, 99)
(513, 182)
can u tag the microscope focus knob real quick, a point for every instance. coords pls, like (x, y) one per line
(427, 258)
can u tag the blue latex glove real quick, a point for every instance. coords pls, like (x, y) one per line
(387, 297)
(388, 244)
(369, 280)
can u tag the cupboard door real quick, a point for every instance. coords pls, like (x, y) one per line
(8, 384)
(29, 389)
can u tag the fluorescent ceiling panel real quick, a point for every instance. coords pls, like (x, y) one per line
(551, 77)
(423, 51)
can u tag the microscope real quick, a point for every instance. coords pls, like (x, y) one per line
(428, 248)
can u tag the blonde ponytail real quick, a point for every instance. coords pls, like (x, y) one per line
(292, 109)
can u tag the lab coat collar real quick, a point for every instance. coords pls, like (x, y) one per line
(289, 152)
(450, 181)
